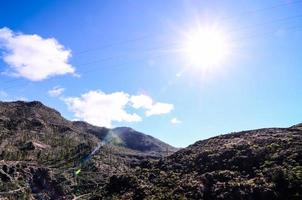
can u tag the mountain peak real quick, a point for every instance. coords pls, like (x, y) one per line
(33, 110)
(22, 115)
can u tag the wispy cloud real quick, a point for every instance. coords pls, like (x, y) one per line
(33, 57)
(56, 91)
(101, 109)
(21, 99)
(175, 121)
(152, 108)
(3, 94)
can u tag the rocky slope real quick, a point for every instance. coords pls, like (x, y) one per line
(40, 150)
(129, 138)
(42, 157)
(256, 164)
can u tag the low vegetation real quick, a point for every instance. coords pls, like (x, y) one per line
(41, 157)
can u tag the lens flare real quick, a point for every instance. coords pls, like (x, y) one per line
(111, 138)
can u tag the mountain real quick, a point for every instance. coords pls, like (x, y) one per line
(44, 156)
(35, 119)
(37, 144)
(256, 164)
(130, 138)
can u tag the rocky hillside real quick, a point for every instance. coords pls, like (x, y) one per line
(38, 146)
(20, 116)
(44, 156)
(257, 164)
(129, 138)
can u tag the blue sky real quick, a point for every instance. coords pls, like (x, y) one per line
(125, 55)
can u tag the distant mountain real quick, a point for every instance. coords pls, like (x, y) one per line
(129, 138)
(138, 141)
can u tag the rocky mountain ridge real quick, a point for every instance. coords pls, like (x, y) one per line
(42, 157)
(256, 164)
(34, 115)
(39, 147)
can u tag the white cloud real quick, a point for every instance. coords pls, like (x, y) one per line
(101, 109)
(175, 121)
(141, 101)
(6, 97)
(146, 102)
(21, 99)
(33, 57)
(3, 96)
(56, 91)
(159, 108)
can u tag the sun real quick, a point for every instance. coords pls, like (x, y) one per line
(206, 47)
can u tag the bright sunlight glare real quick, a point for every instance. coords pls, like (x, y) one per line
(206, 47)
